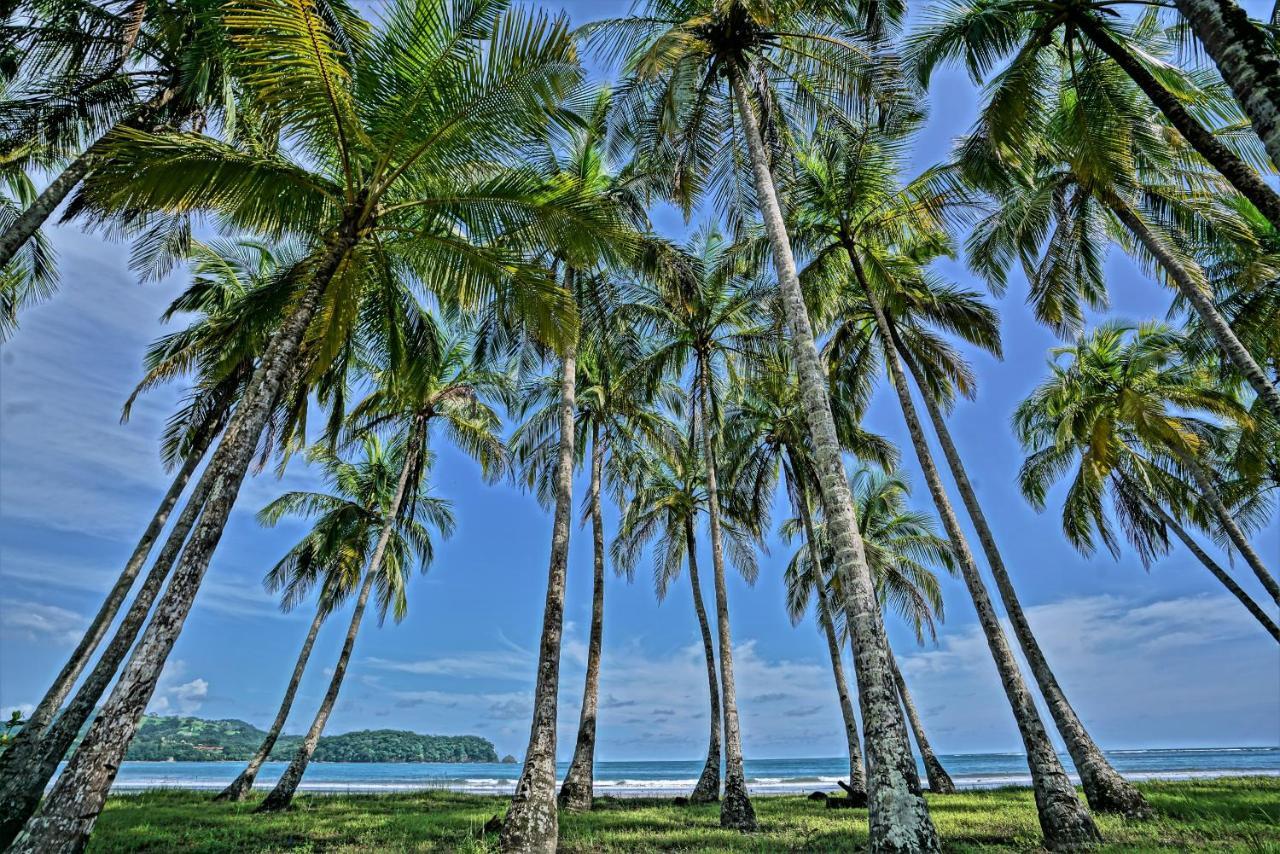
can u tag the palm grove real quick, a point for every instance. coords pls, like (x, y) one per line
(432, 222)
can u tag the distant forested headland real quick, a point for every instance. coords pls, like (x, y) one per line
(185, 739)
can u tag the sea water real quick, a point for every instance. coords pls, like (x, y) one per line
(666, 778)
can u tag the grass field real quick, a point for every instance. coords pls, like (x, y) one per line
(1241, 814)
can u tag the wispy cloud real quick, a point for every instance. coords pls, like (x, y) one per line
(34, 621)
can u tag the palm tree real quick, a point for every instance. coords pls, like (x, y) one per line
(404, 180)
(698, 72)
(665, 494)
(1089, 158)
(1121, 404)
(375, 522)
(578, 165)
(765, 433)
(1032, 36)
(870, 238)
(703, 313)
(90, 68)
(233, 292)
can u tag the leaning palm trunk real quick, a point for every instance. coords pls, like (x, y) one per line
(1104, 788)
(72, 807)
(243, 784)
(735, 810)
(1065, 822)
(857, 773)
(1239, 174)
(287, 786)
(1247, 60)
(897, 815)
(532, 823)
(1190, 283)
(1209, 492)
(282, 795)
(34, 762)
(708, 787)
(939, 780)
(576, 791)
(27, 223)
(1210, 564)
(40, 718)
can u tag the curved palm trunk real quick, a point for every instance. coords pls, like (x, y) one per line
(35, 762)
(1238, 173)
(1104, 788)
(1218, 572)
(287, 786)
(857, 773)
(939, 780)
(1191, 285)
(1246, 59)
(1065, 821)
(735, 809)
(1209, 492)
(532, 823)
(38, 722)
(708, 787)
(243, 784)
(69, 812)
(30, 220)
(897, 815)
(576, 791)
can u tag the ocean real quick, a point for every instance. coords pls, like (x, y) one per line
(657, 778)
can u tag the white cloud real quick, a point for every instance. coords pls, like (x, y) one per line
(33, 621)
(173, 697)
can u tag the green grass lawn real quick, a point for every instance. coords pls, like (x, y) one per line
(1218, 815)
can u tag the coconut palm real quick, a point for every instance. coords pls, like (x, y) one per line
(89, 68)
(703, 314)
(235, 291)
(765, 434)
(371, 527)
(870, 239)
(701, 73)
(577, 164)
(393, 180)
(1091, 159)
(1119, 404)
(1019, 44)
(665, 494)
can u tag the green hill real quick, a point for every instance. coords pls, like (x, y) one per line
(186, 739)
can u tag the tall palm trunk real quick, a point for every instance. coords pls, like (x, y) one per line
(857, 773)
(287, 786)
(939, 780)
(1209, 492)
(1190, 283)
(576, 791)
(1210, 564)
(69, 812)
(1104, 788)
(282, 795)
(708, 787)
(1239, 174)
(243, 784)
(532, 823)
(1247, 60)
(34, 762)
(27, 223)
(735, 809)
(1065, 821)
(38, 721)
(897, 815)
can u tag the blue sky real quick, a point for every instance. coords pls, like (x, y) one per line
(1154, 659)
